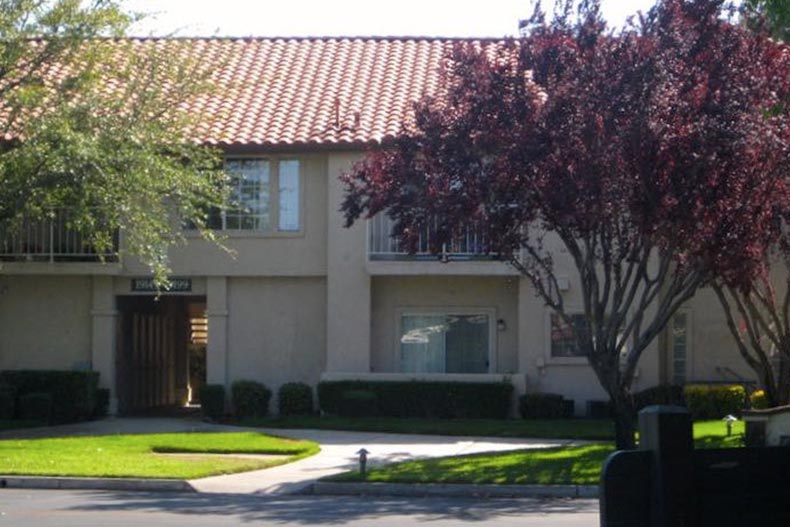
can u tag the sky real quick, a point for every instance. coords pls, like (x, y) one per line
(446, 18)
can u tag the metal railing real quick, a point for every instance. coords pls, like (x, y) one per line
(50, 239)
(470, 245)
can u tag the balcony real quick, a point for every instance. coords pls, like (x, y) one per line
(51, 239)
(470, 246)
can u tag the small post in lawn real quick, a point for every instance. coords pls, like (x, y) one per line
(363, 461)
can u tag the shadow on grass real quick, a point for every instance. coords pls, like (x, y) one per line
(315, 510)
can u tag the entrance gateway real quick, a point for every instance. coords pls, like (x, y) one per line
(161, 359)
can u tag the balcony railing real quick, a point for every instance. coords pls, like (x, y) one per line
(471, 245)
(50, 239)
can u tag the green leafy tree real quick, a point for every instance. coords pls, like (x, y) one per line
(774, 13)
(93, 123)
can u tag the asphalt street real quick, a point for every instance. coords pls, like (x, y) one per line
(62, 508)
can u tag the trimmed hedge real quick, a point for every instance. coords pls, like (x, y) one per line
(250, 399)
(36, 406)
(212, 401)
(664, 394)
(426, 399)
(295, 398)
(544, 406)
(72, 393)
(759, 400)
(714, 401)
(102, 403)
(7, 401)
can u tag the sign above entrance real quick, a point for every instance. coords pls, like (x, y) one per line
(147, 285)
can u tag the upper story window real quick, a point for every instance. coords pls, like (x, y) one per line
(265, 195)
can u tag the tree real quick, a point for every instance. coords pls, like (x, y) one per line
(758, 313)
(90, 122)
(644, 154)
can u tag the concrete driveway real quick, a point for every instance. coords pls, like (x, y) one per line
(338, 450)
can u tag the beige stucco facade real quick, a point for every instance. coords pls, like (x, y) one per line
(311, 304)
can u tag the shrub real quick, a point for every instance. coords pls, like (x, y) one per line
(7, 401)
(36, 406)
(102, 403)
(212, 401)
(360, 403)
(73, 393)
(250, 399)
(714, 401)
(664, 394)
(544, 406)
(295, 398)
(759, 400)
(425, 399)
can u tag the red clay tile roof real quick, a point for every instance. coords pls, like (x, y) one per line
(311, 91)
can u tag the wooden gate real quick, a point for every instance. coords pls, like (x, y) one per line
(147, 362)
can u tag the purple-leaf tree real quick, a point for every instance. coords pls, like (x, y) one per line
(646, 157)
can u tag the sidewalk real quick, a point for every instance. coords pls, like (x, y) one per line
(338, 450)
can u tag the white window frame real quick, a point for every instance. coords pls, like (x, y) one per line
(490, 312)
(689, 345)
(274, 200)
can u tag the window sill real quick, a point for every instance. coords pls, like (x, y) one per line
(566, 361)
(240, 235)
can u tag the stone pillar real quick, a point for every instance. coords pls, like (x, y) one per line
(531, 320)
(217, 348)
(348, 282)
(104, 320)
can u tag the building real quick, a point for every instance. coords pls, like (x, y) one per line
(304, 298)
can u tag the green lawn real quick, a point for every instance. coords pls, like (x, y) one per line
(145, 455)
(593, 429)
(579, 465)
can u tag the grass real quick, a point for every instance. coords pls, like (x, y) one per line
(578, 465)
(592, 429)
(145, 455)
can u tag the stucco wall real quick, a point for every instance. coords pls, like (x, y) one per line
(390, 295)
(257, 254)
(276, 330)
(45, 322)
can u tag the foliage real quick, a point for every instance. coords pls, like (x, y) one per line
(92, 125)
(212, 401)
(590, 429)
(544, 406)
(418, 398)
(73, 393)
(714, 401)
(7, 401)
(142, 455)
(664, 394)
(649, 160)
(35, 406)
(250, 399)
(759, 401)
(102, 406)
(773, 15)
(295, 398)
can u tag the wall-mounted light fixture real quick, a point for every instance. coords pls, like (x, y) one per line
(501, 325)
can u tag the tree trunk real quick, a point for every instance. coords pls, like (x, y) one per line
(624, 417)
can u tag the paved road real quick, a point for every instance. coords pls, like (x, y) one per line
(25, 508)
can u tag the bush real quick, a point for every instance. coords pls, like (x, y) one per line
(360, 403)
(544, 406)
(73, 393)
(102, 403)
(250, 399)
(424, 399)
(714, 401)
(212, 401)
(295, 398)
(759, 400)
(7, 401)
(664, 394)
(36, 406)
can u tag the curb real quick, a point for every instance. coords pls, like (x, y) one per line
(455, 490)
(30, 482)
